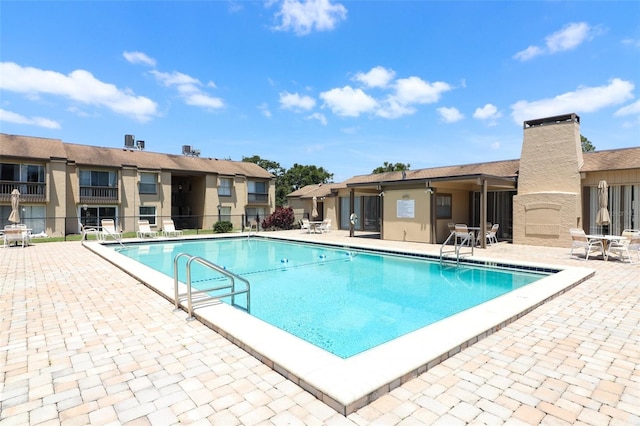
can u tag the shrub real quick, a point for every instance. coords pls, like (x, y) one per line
(282, 218)
(222, 227)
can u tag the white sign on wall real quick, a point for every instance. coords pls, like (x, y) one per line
(406, 209)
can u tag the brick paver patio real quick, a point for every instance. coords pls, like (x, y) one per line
(81, 342)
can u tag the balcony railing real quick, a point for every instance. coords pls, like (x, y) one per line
(255, 197)
(30, 192)
(96, 194)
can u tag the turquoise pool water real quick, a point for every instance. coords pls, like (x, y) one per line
(342, 300)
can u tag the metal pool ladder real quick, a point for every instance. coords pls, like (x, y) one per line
(207, 298)
(466, 239)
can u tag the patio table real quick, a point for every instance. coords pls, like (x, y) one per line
(606, 239)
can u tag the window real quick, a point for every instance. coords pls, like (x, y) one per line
(148, 183)
(32, 174)
(257, 191)
(148, 213)
(255, 213)
(225, 214)
(443, 206)
(224, 189)
(92, 216)
(96, 178)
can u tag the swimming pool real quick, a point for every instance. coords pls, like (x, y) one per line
(343, 301)
(347, 384)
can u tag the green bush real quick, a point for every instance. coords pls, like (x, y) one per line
(222, 227)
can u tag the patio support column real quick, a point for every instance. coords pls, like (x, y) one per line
(483, 215)
(352, 202)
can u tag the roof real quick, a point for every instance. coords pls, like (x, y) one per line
(44, 149)
(508, 168)
(316, 190)
(614, 159)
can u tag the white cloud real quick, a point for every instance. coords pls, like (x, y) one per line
(584, 99)
(450, 115)
(488, 113)
(414, 90)
(318, 116)
(304, 16)
(568, 38)
(264, 108)
(189, 89)
(348, 101)
(392, 108)
(528, 53)
(631, 109)
(294, 101)
(139, 58)
(12, 117)
(376, 77)
(79, 86)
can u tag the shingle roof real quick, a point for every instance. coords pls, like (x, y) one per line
(506, 168)
(615, 159)
(45, 149)
(319, 190)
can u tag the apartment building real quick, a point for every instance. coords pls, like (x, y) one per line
(63, 184)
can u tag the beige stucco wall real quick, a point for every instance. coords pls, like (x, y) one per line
(415, 229)
(548, 202)
(56, 206)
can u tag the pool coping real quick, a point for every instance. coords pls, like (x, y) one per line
(349, 384)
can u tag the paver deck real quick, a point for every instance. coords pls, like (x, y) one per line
(81, 342)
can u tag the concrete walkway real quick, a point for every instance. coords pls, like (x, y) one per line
(81, 342)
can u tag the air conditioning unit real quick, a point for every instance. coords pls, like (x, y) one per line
(195, 153)
(186, 149)
(140, 145)
(129, 141)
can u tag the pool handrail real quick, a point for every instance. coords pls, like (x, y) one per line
(233, 277)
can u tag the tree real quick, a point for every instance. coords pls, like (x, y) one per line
(388, 167)
(299, 176)
(288, 181)
(275, 169)
(587, 146)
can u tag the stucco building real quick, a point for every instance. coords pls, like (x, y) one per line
(535, 200)
(62, 183)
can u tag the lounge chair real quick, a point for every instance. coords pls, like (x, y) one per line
(144, 230)
(590, 245)
(169, 229)
(625, 247)
(86, 230)
(306, 225)
(325, 226)
(492, 234)
(109, 230)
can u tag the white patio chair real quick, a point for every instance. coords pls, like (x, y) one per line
(306, 225)
(492, 234)
(625, 248)
(590, 245)
(109, 230)
(325, 226)
(169, 229)
(144, 230)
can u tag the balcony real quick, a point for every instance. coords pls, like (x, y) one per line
(258, 198)
(98, 194)
(30, 192)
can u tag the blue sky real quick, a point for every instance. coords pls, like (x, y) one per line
(344, 85)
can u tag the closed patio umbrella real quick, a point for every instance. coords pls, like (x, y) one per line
(314, 210)
(15, 206)
(603, 204)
